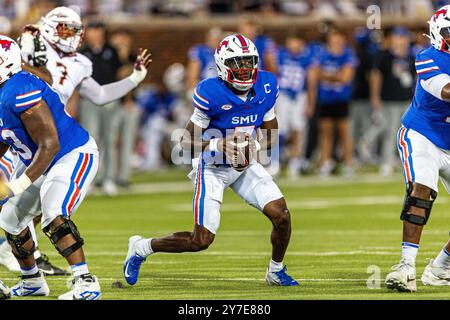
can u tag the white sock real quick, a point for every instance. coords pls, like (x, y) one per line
(29, 271)
(443, 259)
(144, 247)
(409, 252)
(275, 266)
(79, 269)
(37, 254)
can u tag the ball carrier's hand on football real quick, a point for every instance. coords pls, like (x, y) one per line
(239, 149)
(141, 66)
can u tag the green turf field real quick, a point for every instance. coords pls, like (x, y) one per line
(340, 228)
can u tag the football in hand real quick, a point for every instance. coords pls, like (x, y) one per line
(241, 153)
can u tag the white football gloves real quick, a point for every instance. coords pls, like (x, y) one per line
(32, 46)
(141, 66)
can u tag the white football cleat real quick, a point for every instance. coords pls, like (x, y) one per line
(7, 258)
(85, 287)
(5, 292)
(36, 286)
(435, 276)
(403, 279)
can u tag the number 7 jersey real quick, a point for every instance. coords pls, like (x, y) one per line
(67, 71)
(22, 92)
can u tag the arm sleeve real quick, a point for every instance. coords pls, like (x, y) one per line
(29, 95)
(101, 95)
(201, 119)
(426, 68)
(435, 84)
(270, 114)
(200, 99)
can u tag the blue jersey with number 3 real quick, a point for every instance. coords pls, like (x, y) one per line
(22, 92)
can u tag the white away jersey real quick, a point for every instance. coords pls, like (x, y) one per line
(67, 72)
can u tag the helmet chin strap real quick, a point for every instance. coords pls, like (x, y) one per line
(241, 87)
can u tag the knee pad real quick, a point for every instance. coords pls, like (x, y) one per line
(411, 201)
(64, 229)
(17, 242)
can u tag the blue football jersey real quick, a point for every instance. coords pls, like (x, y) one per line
(293, 69)
(204, 55)
(427, 114)
(22, 92)
(330, 92)
(264, 45)
(227, 111)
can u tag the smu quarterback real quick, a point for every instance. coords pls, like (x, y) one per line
(238, 105)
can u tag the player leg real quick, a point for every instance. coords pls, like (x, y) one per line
(346, 140)
(326, 138)
(437, 272)
(42, 260)
(5, 292)
(7, 259)
(62, 192)
(421, 171)
(297, 126)
(210, 182)
(258, 189)
(15, 217)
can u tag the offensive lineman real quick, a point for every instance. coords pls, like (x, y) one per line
(50, 144)
(241, 99)
(424, 147)
(62, 33)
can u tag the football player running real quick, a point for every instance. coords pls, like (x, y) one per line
(240, 99)
(424, 144)
(61, 31)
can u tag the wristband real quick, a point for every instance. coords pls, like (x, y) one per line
(19, 185)
(213, 144)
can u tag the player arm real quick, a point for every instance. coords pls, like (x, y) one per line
(3, 148)
(375, 85)
(438, 86)
(268, 132)
(192, 74)
(312, 84)
(100, 95)
(39, 123)
(192, 139)
(41, 72)
(344, 76)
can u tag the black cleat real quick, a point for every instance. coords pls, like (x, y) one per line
(48, 269)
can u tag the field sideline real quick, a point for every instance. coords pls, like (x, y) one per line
(340, 228)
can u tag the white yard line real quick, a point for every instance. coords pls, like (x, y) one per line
(144, 279)
(304, 182)
(368, 252)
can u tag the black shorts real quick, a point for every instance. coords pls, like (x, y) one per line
(338, 110)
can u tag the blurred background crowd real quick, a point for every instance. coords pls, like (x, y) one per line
(360, 80)
(30, 9)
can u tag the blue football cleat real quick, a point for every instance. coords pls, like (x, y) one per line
(280, 278)
(133, 262)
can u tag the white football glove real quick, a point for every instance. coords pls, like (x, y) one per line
(32, 46)
(141, 66)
